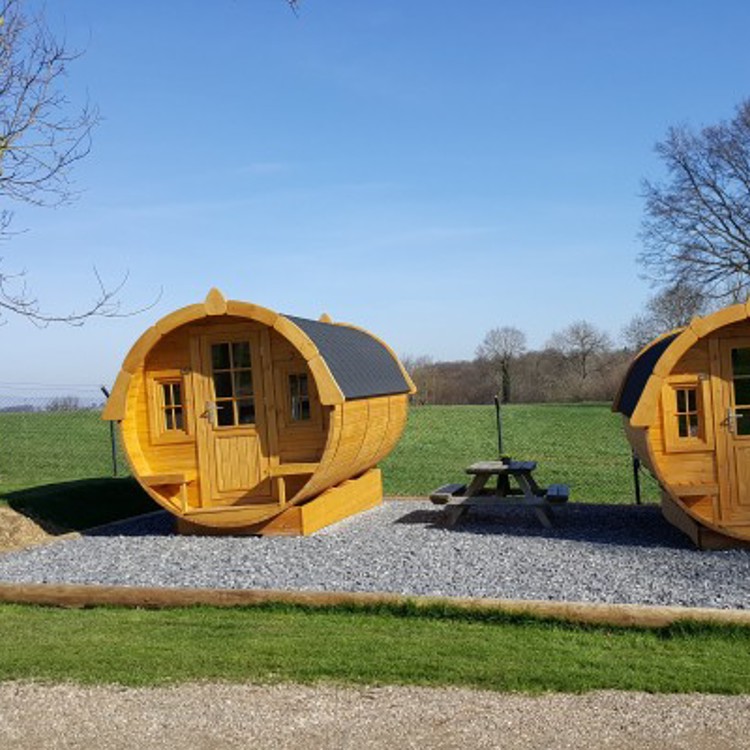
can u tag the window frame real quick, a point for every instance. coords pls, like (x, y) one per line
(159, 433)
(235, 399)
(284, 371)
(673, 441)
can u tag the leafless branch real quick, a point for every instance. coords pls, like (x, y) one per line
(696, 230)
(42, 137)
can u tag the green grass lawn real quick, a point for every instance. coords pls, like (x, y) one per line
(41, 448)
(56, 462)
(388, 645)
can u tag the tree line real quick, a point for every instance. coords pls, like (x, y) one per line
(578, 363)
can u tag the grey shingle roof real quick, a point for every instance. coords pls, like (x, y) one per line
(639, 373)
(360, 364)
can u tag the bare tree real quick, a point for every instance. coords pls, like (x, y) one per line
(41, 138)
(499, 348)
(582, 344)
(697, 225)
(673, 307)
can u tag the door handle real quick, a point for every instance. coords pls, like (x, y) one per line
(210, 413)
(731, 420)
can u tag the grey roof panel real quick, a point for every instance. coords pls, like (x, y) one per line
(361, 365)
(639, 373)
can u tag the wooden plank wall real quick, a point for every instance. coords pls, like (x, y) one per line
(689, 470)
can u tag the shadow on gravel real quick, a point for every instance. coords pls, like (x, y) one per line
(81, 504)
(623, 525)
(158, 523)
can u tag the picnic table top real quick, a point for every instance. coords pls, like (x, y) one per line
(501, 467)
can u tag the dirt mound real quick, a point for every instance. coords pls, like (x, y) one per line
(18, 531)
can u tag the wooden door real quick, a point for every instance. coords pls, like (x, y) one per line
(231, 432)
(733, 430)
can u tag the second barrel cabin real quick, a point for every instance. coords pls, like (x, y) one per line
(686, 406)
(239, 418)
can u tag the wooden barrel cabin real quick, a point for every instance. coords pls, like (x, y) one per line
(686, 406)
(237, 418)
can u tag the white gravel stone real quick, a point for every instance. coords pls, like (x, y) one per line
(612, 554)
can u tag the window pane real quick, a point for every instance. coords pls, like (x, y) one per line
(694, 425)
(681, 401)
(293, 386)
(220, 356)
(178, 423)
(243, 383)
(742, 391)
(303, 385)
(692, 399)
(246, 411)
(225, 414)
(682, 425)
(743, 421)
(741, 361)
(223, 384)
(176, 394)
(241, 354)
(305, 410)
(167, 391)
(168, 420)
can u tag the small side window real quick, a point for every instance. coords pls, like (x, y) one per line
(299, 395)
(172, 407)
(686, 412)
(687, 422)
(168, 407)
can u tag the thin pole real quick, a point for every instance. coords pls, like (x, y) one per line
(499, 420)
(637, 478)
(112, 440)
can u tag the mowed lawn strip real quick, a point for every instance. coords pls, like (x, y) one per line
(360, 645)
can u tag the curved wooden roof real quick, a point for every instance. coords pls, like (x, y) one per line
(346, 362)
(639, 393)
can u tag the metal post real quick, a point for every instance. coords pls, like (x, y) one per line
(112, 439)
(499, 420)
(637, 478)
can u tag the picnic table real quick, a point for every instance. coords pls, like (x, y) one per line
(515, 486)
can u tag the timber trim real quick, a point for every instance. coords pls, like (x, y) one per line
(623, 615)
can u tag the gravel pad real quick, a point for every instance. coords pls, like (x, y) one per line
(594, 553)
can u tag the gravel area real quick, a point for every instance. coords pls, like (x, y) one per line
(594, 553)
(213, 717)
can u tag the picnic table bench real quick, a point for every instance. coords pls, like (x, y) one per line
(459, 498)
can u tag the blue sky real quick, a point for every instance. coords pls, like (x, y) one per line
(426, 170)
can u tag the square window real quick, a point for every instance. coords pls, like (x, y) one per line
(168, 397)
(686, 415)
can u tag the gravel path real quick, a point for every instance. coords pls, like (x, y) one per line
(611, 554)
(214, 717)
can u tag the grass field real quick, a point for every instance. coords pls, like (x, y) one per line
(388, 645)
(50, 447)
